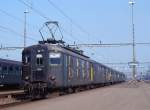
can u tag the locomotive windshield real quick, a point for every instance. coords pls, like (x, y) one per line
(39, 59)
(54, 58)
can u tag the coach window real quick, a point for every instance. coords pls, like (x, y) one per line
(0, 69)
(39, 59)
(16, 70)
(10, 70)
(54, 58)
(4, 70)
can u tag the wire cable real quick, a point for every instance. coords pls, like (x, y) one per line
(69, 18)
(35, 10)
(42, 15)
(16, 33)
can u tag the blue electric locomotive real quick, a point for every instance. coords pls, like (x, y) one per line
(50, 65)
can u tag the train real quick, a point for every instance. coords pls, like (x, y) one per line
(51, 65)
(10, 73)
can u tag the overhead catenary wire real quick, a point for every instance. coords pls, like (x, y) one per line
(125, 63)
(10, 15)
(69, 18)
(17, 18)
(95, 45)
(43, 15)
(35, 10)
(14, 32)
(109, 44)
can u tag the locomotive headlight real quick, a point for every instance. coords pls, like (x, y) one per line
(53, 77)
(27, 77)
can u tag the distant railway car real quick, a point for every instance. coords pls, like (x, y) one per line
(50, 65)
(10, 73)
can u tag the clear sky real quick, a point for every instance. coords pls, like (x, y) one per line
(108, 21)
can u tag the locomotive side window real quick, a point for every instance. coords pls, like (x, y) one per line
(39, 59)
(54, 58)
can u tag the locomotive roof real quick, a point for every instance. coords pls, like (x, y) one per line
(67, 50)
(60, 48)
(9, 61)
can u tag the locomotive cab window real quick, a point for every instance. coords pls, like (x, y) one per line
(39, 59)
(54, 58)
(26, 59)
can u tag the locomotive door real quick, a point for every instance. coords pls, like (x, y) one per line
(39, 71)
(65, 72)
(56, 71)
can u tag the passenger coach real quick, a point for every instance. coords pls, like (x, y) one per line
(10, 73)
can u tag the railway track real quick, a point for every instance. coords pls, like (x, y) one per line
(13, 98)
(8, 98)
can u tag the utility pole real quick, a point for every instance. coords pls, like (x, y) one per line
(134, 62)
(25, 23)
